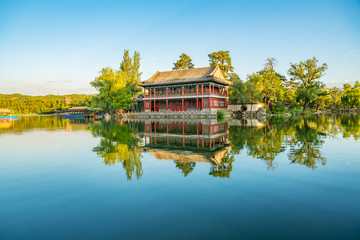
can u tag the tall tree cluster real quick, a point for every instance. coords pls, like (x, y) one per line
(117, 87)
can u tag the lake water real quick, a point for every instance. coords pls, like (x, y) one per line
(296, 178)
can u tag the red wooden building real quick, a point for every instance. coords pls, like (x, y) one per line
(196, 89)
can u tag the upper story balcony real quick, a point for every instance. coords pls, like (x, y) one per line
(186, 90)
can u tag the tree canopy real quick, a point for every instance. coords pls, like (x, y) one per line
(185, 62)
(306, 74)
(223, 60)
(117, 87)
(112, 95)
(130, 68)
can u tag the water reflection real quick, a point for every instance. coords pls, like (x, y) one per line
(189, 142)
(304, 136)
(118, 144)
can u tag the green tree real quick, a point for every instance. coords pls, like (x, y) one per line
(110, 85)
(335, 94)
(307, 74)
(239, 93)
(351, 95)
(130, 68)
(223, 59)
(268, 83)
(185, 62)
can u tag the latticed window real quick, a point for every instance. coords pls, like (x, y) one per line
(206, 103)
(222, 103)
(192, 104)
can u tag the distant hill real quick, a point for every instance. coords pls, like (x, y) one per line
(24, 104)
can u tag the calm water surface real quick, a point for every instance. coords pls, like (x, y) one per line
(284, 178)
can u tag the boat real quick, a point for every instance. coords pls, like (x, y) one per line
(77, 112)
(6, 114)
(83, 112)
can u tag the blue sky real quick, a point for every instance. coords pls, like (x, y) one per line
(51, 47)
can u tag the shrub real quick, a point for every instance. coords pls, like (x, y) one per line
(297, 110)
(278, 109)
(221, 114)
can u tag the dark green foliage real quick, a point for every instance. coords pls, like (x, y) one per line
(295, 111)
(278, 109)
(221, 114)
(239, 93)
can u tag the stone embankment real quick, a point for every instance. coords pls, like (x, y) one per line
(172, 115)
(259, 114)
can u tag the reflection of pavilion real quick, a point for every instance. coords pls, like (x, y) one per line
(190, 156)
(186, 141)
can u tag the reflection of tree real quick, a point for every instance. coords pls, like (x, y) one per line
(265, 143)
(185, 167)
(36, 122)
(118, 144)
(306, 154)
(306, 148)
(224, 168)
(303, 135)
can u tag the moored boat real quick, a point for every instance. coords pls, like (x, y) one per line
(84, 112)
(77, 112)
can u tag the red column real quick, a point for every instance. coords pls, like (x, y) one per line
(182, 90)
(202, 89)
(154, 92)
(154, 104)
(144, 92)
(182, 104)
(167, 102)
(197, 104)
(166, 91)
(150, 91)
(197, 89)
(209, 88)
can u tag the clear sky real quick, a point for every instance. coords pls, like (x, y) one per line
(51, 47)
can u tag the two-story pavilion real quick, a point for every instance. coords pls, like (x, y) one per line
(196, 89)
